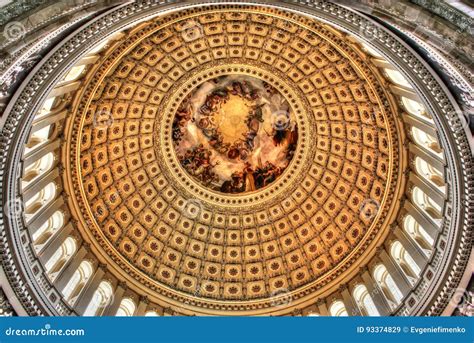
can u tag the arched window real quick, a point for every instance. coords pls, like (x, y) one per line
(417, 233)
(74, 73)
(77, 282)
(151, 314)
(103, 44)
(38, 168)
(46, 108)
(430, 173)
(426, 204)
(126, 308)
(371, 50)
(397, 77)
(38, 137)
(48, 229)
(40, 199)
(312, 314)
(338, 309)
(364, 301)
(426, 141)
(415, 108)
(100, 299)
(404, 260)
(387, 285)
(59, 259)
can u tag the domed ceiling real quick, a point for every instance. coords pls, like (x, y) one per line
(228, 157)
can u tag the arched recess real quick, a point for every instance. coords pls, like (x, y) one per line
(78, 281)
(337, 309)
(389, 288)
(101, 298)
(59, 259)
(127, 308)
(364, 301)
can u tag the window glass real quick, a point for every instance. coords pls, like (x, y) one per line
(99, 300)
(430, 173)
(126, 308)
(338, 309)
(398, 78)
(417, 233)
(61, 256)
(427, 142)
(416, 108)
(364, 301)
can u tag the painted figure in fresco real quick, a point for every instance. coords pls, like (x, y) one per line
(249, 178)
(182, 117)
(197, 162)
(243, 170)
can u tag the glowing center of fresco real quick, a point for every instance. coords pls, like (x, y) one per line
(234, 134)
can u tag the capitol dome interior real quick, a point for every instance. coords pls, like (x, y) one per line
(237, 158)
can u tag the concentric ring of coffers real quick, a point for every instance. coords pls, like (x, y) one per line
(185, 241)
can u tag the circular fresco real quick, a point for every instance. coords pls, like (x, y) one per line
(234, 134)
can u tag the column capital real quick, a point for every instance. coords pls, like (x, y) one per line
(343, 287)
(144, 299)
(123, 285)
